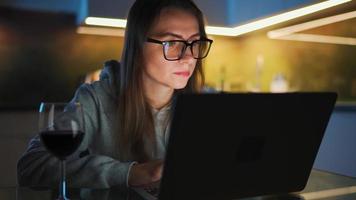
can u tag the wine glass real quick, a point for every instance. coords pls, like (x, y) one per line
(61, 127)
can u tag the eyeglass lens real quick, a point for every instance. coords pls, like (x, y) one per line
(176, 49)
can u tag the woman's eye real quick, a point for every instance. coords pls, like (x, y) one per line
(172, 44)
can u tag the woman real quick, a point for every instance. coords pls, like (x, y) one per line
(127, 112)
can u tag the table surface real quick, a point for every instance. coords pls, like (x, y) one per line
(321, 185)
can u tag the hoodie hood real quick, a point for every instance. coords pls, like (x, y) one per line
(110, 71)
(109, 77)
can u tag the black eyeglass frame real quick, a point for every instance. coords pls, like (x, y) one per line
(187, 44)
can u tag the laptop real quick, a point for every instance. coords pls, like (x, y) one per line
(238, 145)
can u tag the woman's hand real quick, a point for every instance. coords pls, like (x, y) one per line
(146, 173)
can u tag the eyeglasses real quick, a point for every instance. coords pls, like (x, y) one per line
(175, 49)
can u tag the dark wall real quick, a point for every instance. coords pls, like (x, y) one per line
(42, 58)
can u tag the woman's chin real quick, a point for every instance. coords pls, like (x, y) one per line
(180, 85)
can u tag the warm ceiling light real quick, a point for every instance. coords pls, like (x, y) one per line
(320, 38)
(269, 21)
(239, 30)
(215, 30)
(311, 24)
(289, 33)
(99, 21)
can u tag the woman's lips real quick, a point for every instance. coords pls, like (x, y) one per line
(185, 73)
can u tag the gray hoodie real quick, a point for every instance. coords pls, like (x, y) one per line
(96, 164)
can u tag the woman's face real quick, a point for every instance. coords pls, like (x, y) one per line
(159, 73)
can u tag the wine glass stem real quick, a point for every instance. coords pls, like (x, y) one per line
(62, 184)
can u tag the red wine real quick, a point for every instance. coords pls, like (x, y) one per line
(61, 143)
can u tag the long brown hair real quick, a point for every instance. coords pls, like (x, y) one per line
(136, 131)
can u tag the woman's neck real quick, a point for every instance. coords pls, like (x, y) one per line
(159, 97)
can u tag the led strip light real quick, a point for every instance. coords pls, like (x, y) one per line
(238, 30)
